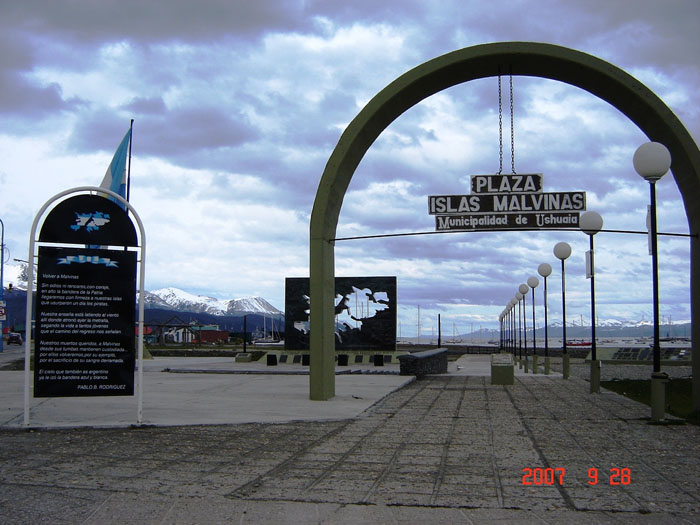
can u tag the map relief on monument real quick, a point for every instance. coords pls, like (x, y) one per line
(365, 313)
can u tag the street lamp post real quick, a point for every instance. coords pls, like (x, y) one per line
(545, 271)
(523, 288)
(590, 224)
(509, 334)
(519, 297)
(511, 325)
(562, 250)
(532, 282)
(502, 338)
(514, 324)
(509, 331)
(652, 160)
(2, 279)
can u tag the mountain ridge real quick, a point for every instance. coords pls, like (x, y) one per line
(172, 298)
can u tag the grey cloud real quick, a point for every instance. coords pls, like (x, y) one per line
(175, 20)
(196, 129)
(98, 131)
(662, 36)
(475, 251)
(300, 123)
(144, 105)
(179, 134)
(292, 185)
(15, 55)
(19, 96)
(366, 10)
(437, 294)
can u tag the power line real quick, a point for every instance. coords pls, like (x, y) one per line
(408, 234)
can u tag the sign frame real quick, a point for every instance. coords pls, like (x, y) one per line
(140, 247)
(506, 202)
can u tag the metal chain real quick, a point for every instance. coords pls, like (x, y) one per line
(500, 126)
(512, 128)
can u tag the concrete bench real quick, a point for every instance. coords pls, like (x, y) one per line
(502, 369)
(421, 363)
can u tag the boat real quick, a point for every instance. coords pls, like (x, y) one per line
(273, 339)
(578, 343)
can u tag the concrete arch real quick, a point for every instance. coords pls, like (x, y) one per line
(596, 76)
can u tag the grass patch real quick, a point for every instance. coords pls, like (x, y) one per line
(679, 398)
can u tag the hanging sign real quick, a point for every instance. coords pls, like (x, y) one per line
(505, 221)
(507, 183)
(506, 202)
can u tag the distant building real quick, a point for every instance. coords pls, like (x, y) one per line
(178, 335)
(209, 334)
(149, 336)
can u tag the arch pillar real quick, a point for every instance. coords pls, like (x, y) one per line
(587, 72)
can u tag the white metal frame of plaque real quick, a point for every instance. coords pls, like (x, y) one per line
(141, 247)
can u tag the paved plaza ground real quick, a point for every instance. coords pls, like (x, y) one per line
(444, 449)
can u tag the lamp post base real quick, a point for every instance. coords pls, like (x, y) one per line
(566, 370)
(658, 395)
(595, 376)
(547, 365)
(534, 364)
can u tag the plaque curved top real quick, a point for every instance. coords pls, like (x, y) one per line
(91, 220)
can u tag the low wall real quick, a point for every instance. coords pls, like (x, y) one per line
(422, 363)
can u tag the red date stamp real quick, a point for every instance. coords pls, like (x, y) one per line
(555, 476)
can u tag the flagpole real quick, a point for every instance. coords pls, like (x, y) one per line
(128, 168)
(142, 264)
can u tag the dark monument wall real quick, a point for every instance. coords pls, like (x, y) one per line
(377, 332)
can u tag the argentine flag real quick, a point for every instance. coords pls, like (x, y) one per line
(115, 178)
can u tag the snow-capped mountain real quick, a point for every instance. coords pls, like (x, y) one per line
(175, 299)
(613, 323)
(168, 298)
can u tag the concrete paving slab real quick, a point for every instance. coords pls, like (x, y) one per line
(215, 391)
(445, 449)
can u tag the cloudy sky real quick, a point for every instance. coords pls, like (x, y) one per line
(238, 105)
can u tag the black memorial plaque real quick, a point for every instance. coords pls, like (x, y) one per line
(365, 313)
(85, 317)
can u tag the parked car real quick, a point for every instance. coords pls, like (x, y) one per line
(14, 339)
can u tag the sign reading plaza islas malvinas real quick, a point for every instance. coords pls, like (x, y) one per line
(506, 202)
